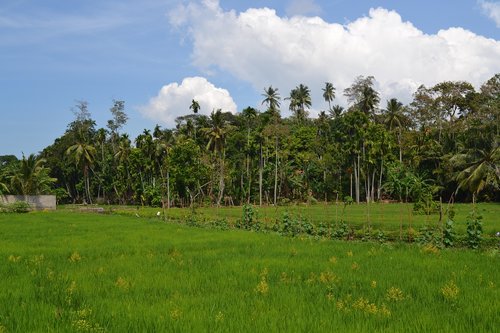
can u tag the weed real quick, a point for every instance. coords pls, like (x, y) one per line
(394, 294)
(75, 257)
(449, 232)
(450, 291)
(474, 230)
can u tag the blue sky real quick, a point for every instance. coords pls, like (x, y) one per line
(157, 55)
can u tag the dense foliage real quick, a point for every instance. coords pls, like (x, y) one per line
(445, 139)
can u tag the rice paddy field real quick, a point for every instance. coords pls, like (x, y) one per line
(388, 218)
(68, 271)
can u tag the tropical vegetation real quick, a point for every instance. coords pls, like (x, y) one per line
(443, 146)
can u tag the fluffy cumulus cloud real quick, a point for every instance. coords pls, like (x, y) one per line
(262, 48)
(492, 9)
(174, 100)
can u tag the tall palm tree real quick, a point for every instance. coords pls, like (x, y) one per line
(195, 106)
(216, 134)
(394, 118)
(329, 93)
(272, 99)
(249, 114)
(83, 154)
(300, 98)
(369, 100)
(163, 141)
(121, 157)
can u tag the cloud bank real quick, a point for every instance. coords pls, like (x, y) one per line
(492, 9)
(173, 100)
(262, 48)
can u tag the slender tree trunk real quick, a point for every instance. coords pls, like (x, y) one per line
(356, 178)
(261, 167)
(379, 189)
(351, 182)
(276, 172)
(400, 147)
(373, 185)
(324, 184)
(221, 180)
(168, 189)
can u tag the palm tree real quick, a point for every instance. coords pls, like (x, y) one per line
(31, 177)
(394, 117)
(3, 187)
(121, 157)
(272, 99)
(329, 93)
(163, 141)
(336, 111)
(216, 134)
(146, 147)
(249, 114)
(482, 167)
(369, 100)
(83, 154)
(300, 98)
(195, 106)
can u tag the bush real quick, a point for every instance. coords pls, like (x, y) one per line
(16, 207)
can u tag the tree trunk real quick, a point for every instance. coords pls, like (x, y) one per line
(261, 167)
(400, 147)
(379, 189)
(276, 171)
(221, 180)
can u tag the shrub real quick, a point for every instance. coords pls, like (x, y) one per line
(474, 230)
(16, 207)
(449, 232)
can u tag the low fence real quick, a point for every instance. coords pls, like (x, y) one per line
(37, 202)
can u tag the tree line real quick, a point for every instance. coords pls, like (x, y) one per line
(443, 145)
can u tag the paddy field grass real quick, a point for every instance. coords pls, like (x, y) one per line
(80, 272)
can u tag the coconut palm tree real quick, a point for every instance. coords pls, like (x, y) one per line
(3, 188)
(83, 154)
(163, 141)
(394, 118)
(249, 114)
(195, 106)
(31, 177)
(216, 134)
(369, 100)
(482, 167)
(300, 98)
(272, 99)
(336, 111)
(329, 93)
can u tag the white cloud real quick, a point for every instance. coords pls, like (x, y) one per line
(173, 100)
(492, 9)
(303, 7)
(259, 47)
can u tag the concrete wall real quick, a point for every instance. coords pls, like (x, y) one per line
(37, 202)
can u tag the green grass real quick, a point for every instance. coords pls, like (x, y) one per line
(386, 217)
(75, 272)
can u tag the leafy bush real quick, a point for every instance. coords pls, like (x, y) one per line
(249, 220)
(449, 232)
(474, 230)
(16, 207)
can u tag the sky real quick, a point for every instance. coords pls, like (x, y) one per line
(158, 55)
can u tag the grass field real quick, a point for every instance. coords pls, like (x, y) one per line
(386, 217)
(80, 272)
